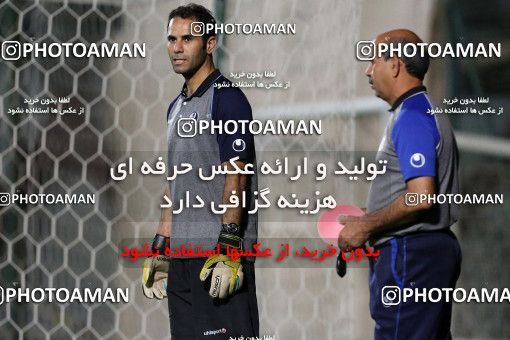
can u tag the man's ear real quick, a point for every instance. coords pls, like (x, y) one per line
(210, 44)
(396, 65)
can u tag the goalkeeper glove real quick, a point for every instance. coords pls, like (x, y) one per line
(155, 270)
(227, 274)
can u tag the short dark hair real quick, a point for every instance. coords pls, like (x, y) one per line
(197, 12)
(417, 65)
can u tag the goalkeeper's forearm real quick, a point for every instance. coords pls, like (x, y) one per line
(165, 221)
(237, 183)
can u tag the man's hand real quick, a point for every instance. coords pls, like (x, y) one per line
(155, 270)
(227, 275)
(155, 275)
(354, 234)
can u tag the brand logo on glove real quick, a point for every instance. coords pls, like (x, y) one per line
(230, 228)
(216, 286)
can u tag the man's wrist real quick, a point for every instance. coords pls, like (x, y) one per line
(160, 243)
(231, 228)
(230, 236)
(369, 225)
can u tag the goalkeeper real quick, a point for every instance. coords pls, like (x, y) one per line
(207, 297)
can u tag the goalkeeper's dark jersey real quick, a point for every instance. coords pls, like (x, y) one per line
(214, 102)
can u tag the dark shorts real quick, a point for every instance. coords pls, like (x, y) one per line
(419, 260)
(195, 315)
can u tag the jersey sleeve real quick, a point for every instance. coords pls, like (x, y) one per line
(415, 138)
(230, 104)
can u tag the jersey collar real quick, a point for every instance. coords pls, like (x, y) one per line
(406, 95)
(203, 87)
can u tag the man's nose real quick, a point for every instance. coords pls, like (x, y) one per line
(178, 47)
(368, 70)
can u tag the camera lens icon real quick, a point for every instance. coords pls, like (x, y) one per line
(365, 50)
(5, 199)
(187, 127)
(197, 29)
(411, 199)
(391, 295)
(11, 50)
